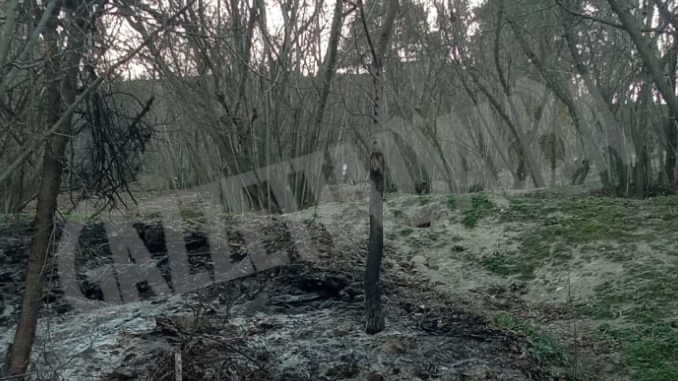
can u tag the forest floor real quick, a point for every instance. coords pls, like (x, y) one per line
(590, 281)
(562, 284)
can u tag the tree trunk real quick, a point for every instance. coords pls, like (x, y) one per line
(375, 246)
(671, 136)
(8, 28)
(52, 167)
(374, 313)
(652, 63)
(526, 158)
(612, 128)
(327, 72)
(554, 151)
(560, 88)
(670, 131)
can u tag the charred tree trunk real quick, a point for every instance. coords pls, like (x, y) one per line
(374, 313)
(375, 246)
(52, 168)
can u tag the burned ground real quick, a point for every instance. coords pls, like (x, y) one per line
(300, 321)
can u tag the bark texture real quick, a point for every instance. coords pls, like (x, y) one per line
(58, 94)
(375, 245)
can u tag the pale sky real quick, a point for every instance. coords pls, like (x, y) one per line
(274, 23)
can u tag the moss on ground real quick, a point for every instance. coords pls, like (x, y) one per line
(481, 207)
(544, 347)
(7, 220)
(562, 226)
(451, 202)
(636, 311)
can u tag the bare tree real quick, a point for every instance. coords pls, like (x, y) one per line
(265, 102)
(20, 96)
(65, 27)
(651, 61)
(622, 85)
(374, 312)
(492, 74)
(53, 161)
(374, 316)
(327, 70)
(662, 74)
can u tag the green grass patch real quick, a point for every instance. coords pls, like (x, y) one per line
(589, 219)
(423, 200)
(544, 347)
(481, 207)
(406, 232)
(451, 202)
(510, 263)
(190, 213)
(397, 213)
(78, 217)
(655, 356)
(645, 294)
(562, 225)
(650, 352)
(636, 309)
(425, 239)
(499, 264)
(642, 301)
(15, 218)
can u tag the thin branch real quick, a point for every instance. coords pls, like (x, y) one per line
(605, 22)
(363, 19)
(8, 28)
(67, 113)
(41, 25)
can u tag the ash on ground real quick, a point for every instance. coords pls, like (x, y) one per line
(300, 321)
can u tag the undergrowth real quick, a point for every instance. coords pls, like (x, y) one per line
(481, 207)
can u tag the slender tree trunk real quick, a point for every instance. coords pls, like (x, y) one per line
(375, 315)
(52, 168)
(670, 130)
(554, 146)
(327, 72)
(375, 246)
(328, 66)
(8, 28)
(671, 136)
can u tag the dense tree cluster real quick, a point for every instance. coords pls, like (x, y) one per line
(96, 94)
